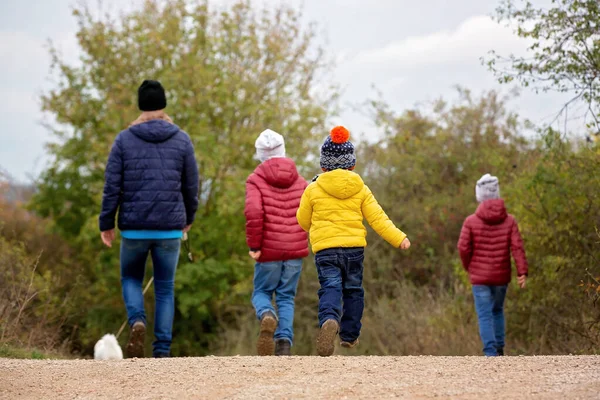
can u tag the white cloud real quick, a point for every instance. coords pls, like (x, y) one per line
(471, 40)
(419, 69)
(429, 65)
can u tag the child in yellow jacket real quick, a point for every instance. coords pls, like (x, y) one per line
(332, 210)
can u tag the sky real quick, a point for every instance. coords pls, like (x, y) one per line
(412, 52)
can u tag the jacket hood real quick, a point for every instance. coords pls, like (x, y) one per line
(492, 211)
(279, 172)
(341, 183)
(154, 131)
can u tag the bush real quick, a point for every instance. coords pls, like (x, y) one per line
(36, 285)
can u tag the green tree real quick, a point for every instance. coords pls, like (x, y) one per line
(560, 189)
(558, 211)
(229, 73)
(564, 54)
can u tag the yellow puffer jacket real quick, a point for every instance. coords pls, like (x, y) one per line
(332, 211)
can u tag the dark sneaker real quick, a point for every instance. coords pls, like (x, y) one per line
(137, 336)
(265, 346)
(283, 347)
(349, 345)
(326, 338)
(501, 351)
(161, 355)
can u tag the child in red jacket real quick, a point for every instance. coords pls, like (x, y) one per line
(277, 243)
(486, 241)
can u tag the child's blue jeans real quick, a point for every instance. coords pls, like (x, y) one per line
(279, 278)
(489, 304)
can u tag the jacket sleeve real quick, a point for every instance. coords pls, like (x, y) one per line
(465, 245)
(190, 184)
(113, 187)
(254, 217)
(379, 220)
(518, 250)
(304, 213)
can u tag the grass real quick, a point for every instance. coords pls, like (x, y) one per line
(8, 351)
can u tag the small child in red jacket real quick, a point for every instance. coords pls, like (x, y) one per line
(486, 241)
(277, 243)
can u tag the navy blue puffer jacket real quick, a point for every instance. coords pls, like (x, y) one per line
(152, 178)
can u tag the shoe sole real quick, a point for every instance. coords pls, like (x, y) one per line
(326, 338)
(135, 346)
(349, 345)
(283, 352)
(265, 346)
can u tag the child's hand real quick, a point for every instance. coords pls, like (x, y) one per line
(405, 245)
(522, 281)
(255, 255)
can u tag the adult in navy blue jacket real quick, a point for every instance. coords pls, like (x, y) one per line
(152, 180)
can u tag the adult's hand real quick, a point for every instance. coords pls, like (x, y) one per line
(255, 255)
(522, 281)
(187, 228)
(108, 237)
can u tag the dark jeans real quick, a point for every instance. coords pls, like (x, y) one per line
(489, 304)
(340, 274)
(165, 254)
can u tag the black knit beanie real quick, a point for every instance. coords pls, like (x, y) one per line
(151, 96)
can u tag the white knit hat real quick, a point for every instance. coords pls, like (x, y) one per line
(269, 144)
(487, 188)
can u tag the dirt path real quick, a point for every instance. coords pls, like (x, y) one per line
(304, 377)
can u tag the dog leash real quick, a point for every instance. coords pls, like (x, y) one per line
(186, 245)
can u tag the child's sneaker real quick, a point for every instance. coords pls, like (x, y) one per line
(326, 338)
(137, 336)
(349, 345)
(283, 347)
(265, 346)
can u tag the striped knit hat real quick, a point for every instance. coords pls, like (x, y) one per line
(338, 152)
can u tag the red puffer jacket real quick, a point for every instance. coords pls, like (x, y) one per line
(273, 195)
(486, 241)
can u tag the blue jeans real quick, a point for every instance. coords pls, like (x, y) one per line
(340, 275)
(489, 304)
(279, 278)
(165, 254)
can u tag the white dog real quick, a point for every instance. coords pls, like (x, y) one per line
(108, 348)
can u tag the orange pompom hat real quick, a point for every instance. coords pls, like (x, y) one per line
(338, 152)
